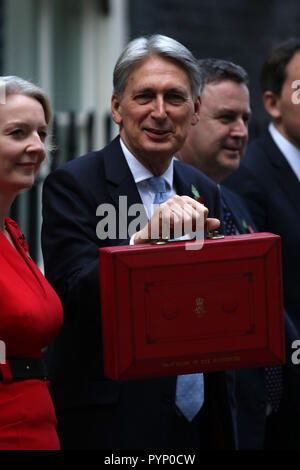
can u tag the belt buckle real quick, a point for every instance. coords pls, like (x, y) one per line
(6, 372)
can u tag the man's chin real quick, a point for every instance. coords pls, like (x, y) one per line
(232, 154)
(160, 149)
(229, 165)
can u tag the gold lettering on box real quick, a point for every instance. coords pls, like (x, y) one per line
(227, 359)
(205, 361)
(176, 363)
(199, 308)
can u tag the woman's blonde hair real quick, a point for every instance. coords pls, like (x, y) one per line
(16, 85)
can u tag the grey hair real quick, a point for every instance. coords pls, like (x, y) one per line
(158, 45)
(16, 85)
(216, 70)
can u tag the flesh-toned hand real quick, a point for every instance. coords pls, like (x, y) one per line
(174, 218)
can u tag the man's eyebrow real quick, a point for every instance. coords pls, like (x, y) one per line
(146, 89)
(223, 109)
(177, 90)
(180, 92)
(232, 111)
(142, 90)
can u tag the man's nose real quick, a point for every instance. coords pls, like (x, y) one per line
(239, 128)
(159, 108)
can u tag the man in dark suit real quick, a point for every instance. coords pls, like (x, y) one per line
(268, 177)
(268, 180)
(155, 101)
(217, 142)
(215, 145)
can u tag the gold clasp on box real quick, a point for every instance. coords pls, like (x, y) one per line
(215, 235)
(160, 241)
(199, 309)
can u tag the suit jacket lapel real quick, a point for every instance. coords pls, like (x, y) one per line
(287, 178)
(180, 183)
(120, 184)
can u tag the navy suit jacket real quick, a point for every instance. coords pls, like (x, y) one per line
(240, 214)
(272, 194)
(71, 195)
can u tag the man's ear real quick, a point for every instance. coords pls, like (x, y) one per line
(116, 109)
(272, 104)
(196, 115)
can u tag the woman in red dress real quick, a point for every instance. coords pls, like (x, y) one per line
(30, 311)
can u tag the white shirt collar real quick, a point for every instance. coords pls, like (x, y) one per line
(290, 152)
(140, 172)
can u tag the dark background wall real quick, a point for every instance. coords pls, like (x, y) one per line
(1, 36)
(237, 30)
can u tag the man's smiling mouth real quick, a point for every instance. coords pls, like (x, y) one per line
(157, 132)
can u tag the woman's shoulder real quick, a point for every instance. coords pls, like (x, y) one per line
(15, 232)
(11, 224)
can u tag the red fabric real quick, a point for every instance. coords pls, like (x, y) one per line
(30, 318)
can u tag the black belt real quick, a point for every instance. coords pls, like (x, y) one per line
(23, 369)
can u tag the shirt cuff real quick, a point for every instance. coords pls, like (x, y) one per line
(131, 241)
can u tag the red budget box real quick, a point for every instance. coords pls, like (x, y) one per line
(167, 310)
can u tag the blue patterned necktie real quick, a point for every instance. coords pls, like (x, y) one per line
(228, 222)
(189, 394)
(274, 384)
(158, 186)
(189, 387)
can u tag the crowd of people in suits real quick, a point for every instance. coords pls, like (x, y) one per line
(182, 122)
(216, 146)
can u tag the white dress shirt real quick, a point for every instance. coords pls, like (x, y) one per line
(289, 151)
(140, 175)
